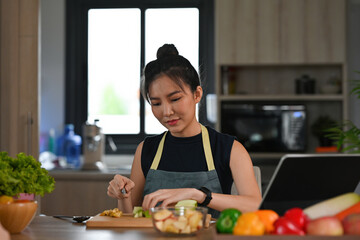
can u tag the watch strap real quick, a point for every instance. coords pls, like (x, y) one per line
(208, 196)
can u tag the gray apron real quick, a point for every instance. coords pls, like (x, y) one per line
(159, 179)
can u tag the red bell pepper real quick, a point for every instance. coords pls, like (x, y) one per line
(284, 226)
(297, 216)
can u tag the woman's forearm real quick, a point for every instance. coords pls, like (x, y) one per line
(222, 201)
(243, 203)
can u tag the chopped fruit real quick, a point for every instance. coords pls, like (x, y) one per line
(112, 213)
(187, 229)
(169, 226)
(186, 203)
(195, 219)
(139, 212)
(162, 215)
(182, 219)
(189, 213)
(189, 221)
(181, 225)
(159, 225)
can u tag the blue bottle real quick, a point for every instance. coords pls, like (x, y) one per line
(69, 147)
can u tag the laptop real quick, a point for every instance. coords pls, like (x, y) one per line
(301, 180)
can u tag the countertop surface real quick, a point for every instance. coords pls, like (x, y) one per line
(110, 165)
(45, 227)
(91, 175)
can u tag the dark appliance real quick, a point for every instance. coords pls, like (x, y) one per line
(266, 127)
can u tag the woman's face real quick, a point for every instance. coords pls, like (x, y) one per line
(174, 107)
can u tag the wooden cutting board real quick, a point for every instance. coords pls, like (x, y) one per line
(126, 220)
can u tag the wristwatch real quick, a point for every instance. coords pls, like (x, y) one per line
(207, 198)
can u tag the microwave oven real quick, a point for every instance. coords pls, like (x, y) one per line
(266, 127)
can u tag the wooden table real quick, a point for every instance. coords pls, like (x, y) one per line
(45, 228)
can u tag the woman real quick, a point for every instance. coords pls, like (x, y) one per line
(4, 234)
(189, 161)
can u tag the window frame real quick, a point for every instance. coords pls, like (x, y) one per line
(76, 68)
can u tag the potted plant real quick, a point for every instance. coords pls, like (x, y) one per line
(346, 134)
(22, 174)
(318, 128)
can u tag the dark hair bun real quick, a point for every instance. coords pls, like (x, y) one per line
(167, 50)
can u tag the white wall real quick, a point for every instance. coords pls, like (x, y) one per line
(53, 59)
(52, 87)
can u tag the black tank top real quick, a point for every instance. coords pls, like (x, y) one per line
(187, 155)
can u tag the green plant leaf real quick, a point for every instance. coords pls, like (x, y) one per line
(23, 174)
(346, 135)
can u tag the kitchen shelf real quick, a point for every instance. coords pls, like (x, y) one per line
(275, 84)
(281, 97)
(261, 60)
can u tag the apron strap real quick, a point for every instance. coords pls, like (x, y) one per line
(206, 145)
(158, 154)
(207, 148)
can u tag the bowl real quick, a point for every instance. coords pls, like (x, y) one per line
(16, 216)
(178, 220)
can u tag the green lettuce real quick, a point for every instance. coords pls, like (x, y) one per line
(23, 174)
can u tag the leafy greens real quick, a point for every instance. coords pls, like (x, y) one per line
(23, 174)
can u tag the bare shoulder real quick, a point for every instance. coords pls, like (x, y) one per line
(137, 156)
(239, 152)
(139, 147)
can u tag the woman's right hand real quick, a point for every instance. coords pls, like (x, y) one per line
(116, 186)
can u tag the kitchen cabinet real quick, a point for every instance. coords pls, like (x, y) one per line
(263, 46)
(280, 31)
(19, 77)
(79, 193)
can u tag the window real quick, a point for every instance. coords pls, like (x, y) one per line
(108, 44)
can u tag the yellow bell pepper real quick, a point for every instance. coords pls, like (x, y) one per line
(249, 224)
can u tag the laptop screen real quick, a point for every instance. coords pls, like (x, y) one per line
(301, 180)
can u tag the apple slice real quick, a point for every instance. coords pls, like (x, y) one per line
(162, 215)
(189, 213)
(160, 225)
(181, 225)
(187, 229)
(195, 220)
(186, 203)
(183, 219)
(169, 226)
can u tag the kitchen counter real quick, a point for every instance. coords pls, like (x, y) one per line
(45, 227)
(88, 175)
(80, 192)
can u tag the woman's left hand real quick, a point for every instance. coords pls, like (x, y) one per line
(170, 197)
